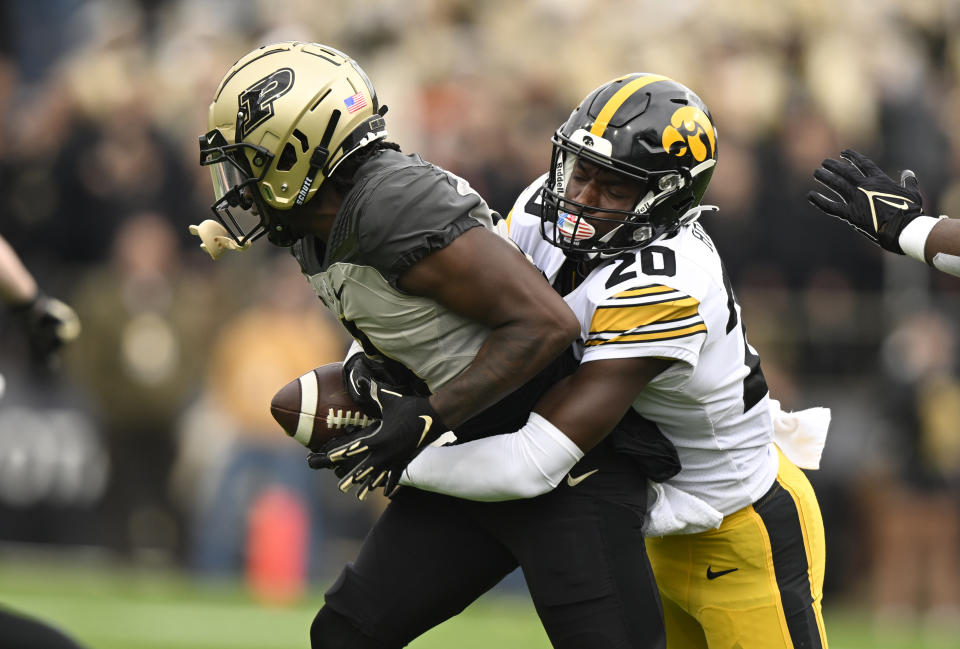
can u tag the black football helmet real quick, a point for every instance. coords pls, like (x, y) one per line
(655, 133)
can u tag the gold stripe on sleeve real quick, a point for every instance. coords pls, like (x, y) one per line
(630, 317)
(652, 336)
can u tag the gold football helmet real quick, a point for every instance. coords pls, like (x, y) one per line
(284, 116)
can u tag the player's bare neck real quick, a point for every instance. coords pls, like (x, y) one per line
(319, 214)
(323, 224)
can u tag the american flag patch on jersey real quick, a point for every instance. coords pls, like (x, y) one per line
(355, 103)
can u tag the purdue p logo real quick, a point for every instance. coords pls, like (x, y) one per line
(256, 102)
(690, 131)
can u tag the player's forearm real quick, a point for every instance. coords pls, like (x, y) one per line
(511, 356)
(943, 238)
(933, 241)
(17, 285)
(523, 464)
(484, 279)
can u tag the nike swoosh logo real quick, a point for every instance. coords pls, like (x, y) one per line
(427, 423)
(720, 573)
(353, 381)
(901, 204)
(573, 482)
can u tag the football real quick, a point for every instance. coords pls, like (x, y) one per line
(315, 408)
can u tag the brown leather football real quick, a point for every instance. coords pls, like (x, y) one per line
(315, 408)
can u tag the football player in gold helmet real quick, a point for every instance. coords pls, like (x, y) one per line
(283, 119)
(418, 269)
(407, 256)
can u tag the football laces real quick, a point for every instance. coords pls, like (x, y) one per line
(341, 418)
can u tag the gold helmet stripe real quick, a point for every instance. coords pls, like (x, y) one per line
(618, 99)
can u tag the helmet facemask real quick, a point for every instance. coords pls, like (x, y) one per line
(238, 205)
(592, 230)
(640, 132)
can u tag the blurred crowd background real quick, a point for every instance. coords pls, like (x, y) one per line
(153, 441)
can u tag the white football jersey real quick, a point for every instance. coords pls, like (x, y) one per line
(672, 299)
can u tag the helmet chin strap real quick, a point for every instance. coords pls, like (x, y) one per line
(691, 215)
(694, 213)
(604, 239)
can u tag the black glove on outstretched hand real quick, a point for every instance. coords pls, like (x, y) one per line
(384, 448)
(49, 324)
(872, 202)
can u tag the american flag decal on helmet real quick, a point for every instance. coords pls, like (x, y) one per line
(355, 103)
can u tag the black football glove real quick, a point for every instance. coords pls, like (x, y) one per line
(872, 202)
(49, 324)
(386, 447)
(320, 460)
(358, 371)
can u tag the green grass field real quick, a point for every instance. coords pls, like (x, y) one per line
(110, 608)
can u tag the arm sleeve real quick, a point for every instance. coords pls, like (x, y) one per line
(523, 464)
(913, 237)
(913, 240)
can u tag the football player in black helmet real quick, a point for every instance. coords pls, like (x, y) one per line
(653, 178)
(734, 532)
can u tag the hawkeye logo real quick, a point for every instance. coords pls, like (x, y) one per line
(895, 201)
(256, 102)
(690, 131)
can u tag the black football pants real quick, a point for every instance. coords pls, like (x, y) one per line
(581, 550)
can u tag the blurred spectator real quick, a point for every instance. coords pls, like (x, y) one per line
(912, 506)
(85, 156)
(50, 455)
(149, 322)
(233, 458)
(48, 324)
(35, 33)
